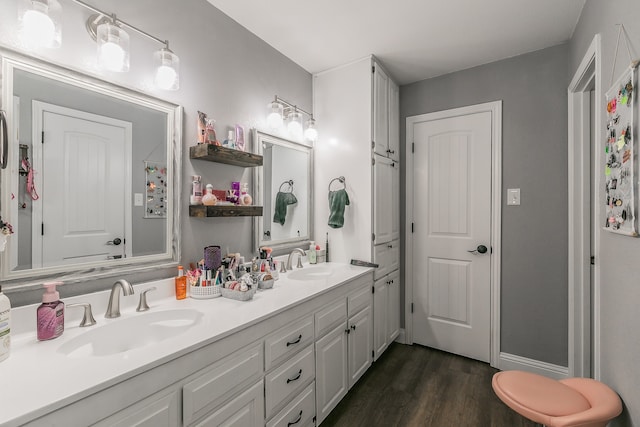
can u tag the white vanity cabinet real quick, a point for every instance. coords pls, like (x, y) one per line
(343, 347)
(269, 372)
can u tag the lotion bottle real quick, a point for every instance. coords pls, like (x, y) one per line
(50, 313)
(5, 326)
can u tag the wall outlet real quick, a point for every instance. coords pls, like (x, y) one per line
(513, 197)
(137, 199)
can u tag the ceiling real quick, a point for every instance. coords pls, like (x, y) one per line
(414, 39)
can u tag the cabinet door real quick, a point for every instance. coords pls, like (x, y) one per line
(394, 121)
(380, 307)
(383, 172)
(380, 111)
(360, 344)
(158, 410)
(246, 410)
(393, 306)
(395, 201)
(331, 371)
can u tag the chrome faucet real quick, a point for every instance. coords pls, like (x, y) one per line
(113, 309)
(298, 251)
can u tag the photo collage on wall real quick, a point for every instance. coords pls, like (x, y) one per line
(620, 182)
(155, 202)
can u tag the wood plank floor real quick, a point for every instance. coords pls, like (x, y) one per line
(420, 386)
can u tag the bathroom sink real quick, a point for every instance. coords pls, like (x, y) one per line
(316, 272)
(130, 333)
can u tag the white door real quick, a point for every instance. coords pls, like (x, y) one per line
(452, 232)
(84, 205)
(361, 327)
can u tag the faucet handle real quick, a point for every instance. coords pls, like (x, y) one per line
(87, 318)
(283, 269)
(142, 305)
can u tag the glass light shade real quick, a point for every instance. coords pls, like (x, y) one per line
(167, 69)
(40, 23)
(113, 48)
(275, 111)
(311, 133)
(295, 124)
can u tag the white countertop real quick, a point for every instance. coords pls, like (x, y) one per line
(37, 379)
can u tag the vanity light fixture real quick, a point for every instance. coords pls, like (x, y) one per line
(113, 46)
(279, 110)
(167, 68)
(40, 23)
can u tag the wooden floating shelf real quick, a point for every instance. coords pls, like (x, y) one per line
(200, 211)
(218, 154)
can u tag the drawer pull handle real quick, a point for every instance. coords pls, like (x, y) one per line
(353, 327)
(296, 378)
(296, 341)
(296, 421)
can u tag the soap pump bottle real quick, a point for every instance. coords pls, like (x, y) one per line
(5, 326)
(50, 313)
(312, 255)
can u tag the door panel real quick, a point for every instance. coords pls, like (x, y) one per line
(452, 213)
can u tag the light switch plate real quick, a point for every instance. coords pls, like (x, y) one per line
(137, 199)
(513, 197)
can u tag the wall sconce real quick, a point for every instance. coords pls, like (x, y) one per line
(40, 27)
(40, 23)
(279, 110)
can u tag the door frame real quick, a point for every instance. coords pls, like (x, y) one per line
(495, 108)
(38, 109)
(579, 182)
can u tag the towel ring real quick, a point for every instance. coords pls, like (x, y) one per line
(341, 179)
(290, 182)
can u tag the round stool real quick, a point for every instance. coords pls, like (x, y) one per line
(570, 402)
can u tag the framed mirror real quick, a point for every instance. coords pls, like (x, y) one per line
(284, 189)
(92, 175)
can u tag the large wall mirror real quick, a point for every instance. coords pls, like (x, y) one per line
(91, 178)
(284, 189)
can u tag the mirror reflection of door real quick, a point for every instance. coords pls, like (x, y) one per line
(84, 187)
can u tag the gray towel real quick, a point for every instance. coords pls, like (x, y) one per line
(337, 201)
(282, 201)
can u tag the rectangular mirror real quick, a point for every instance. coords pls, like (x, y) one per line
(284, 189)
(91, 177)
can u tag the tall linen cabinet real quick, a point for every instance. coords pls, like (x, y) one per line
(357, 110)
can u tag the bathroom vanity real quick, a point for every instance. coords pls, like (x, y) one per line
(284, 358)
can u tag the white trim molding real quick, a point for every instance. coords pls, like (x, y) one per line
(587, 78)
(495, 108)
(510, 362)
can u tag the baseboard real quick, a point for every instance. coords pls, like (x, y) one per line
(401, 337)
(510, 362)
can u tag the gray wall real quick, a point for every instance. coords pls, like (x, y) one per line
(617, 255)
(226, 71)
(533, 88)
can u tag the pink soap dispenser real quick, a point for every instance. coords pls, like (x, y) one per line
(50, 313)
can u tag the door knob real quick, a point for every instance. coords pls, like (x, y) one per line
(481, 249)
(115, 241)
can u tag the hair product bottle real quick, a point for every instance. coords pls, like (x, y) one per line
(181, 284)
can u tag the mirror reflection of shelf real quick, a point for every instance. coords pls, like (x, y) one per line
(200, 211)
(219, 154)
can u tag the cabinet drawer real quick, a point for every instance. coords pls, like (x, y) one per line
(299, 412)
(286, 341)
(359, 299)
(246, 410)
(387, 256)
(289, 379)
(159, 410)
(215, 384)
(330, 317)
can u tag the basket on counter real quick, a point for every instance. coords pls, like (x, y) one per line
(265, 284)
(205, 292)
(238, 295)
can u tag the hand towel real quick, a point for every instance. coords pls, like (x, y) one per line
(337, 201)
(282, 201)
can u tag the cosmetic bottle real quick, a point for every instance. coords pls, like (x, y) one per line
(50, 313)
(239, 143)
(245, 197)
(209, 199)
(230, 141)
(196, 190)
(311, 254)
(181, 284)
(5, 326)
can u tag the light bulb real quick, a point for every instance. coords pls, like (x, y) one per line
(274, 119)
(311, 133)
(38, 26)
(295, 124)
(113, 48)
(167, 71)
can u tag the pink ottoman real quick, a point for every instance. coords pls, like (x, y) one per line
(571, 402)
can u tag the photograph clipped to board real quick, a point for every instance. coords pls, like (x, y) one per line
(620, 182)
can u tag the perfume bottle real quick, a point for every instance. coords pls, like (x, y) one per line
(245, 197)
(209, 199)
